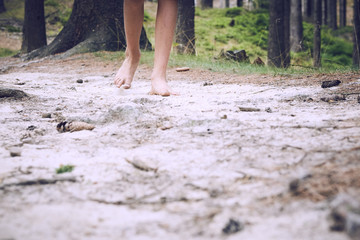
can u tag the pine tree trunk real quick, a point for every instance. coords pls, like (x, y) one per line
(239, 3)
(342, 7)
(296, 26)
(308, 10)
(94, 25)
(324, 13)
(206, 4)
(356, 38)
(287, 33)
(185, 27)
(277, 52)
(317, 34)
(2, 6)
(332, 16)
(34, 32)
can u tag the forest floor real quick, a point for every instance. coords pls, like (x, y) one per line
(215, 162)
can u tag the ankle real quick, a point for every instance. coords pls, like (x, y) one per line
(133, 55)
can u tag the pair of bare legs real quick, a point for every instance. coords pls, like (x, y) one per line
(164, 31)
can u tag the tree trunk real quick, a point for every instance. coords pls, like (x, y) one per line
(277, 52)
(2, 6)
(206, 4)
(296, 26)
(287, 33)
(342, 14)
(317, 34)
(34, 32)
(332, 16)
(324, 13)
(356, 38)
(308, 10)
(239, 3)
(94, 25)
(185, 27)
(227, 3)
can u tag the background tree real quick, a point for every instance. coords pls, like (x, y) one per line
(93, 25)
(308, 13)
(356, 38)
(332, 14)
(287, 33)
(2, 6)
(342, 12)
(34, 31)
(239, 3)
(296, 26)
(278, 55)
(324, 14)
(317, 33)
(185, 27)
(206, 4)
(227, 3)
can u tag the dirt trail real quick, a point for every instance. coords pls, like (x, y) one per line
(203, 159)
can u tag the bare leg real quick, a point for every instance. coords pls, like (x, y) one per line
(164, 32)
(133, 20)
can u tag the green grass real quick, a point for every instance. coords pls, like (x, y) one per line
(64, 169)
(4, 52)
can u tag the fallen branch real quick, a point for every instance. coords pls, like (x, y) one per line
(40, 181)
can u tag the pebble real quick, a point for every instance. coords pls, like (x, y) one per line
(268, 110)
(329, 84)
(15, 152)
(249, 109)
(46, 115)
(232, 227)
(79, 81)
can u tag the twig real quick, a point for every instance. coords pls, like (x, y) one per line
(40, 181)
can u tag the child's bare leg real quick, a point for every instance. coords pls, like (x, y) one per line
(133, 20)
(164, 31)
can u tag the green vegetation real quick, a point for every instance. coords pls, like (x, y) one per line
(64, 169)
(4, 52)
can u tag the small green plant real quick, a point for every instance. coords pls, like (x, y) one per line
(5, 52)
(10, 28)
(64, 169)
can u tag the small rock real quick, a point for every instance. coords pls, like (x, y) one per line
(329, 84)
(333, 99)
(79, 81)
(224, 116)
(258, 62)
(46, 115)
(207, 84)
(31, 128)
(15, 152)
(12, 93)
(232, 227)
(268, 110)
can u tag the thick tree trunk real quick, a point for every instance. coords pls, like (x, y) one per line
(317, 34)
(239, 3)
(277, 52)
(356, 38)
(296, 26)
(94, 25)
(2, 6)
(185, 27)
(342, 6)
(206, 4)
(332, 16)
(34, 32)
(324, 13)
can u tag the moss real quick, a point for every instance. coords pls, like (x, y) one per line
(64, 169)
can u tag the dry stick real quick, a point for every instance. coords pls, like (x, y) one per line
(40, 181)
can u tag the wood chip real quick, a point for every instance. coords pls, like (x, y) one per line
(74, 126)
(141, 165)
(183, 69)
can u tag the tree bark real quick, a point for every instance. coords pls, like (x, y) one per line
(185, 27)
(239, 3)
(296, 26)
(342, 13)
(94, 25)
(2, 6)
(317, 34)
(324, 13)
(206, 4)
(34, 31)
(277, 52)
(308, 10)
(356, 38)
(332, 16)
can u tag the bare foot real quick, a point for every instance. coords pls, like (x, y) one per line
(127, 70)
(160, 87)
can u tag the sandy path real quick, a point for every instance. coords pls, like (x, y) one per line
(212, 161)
